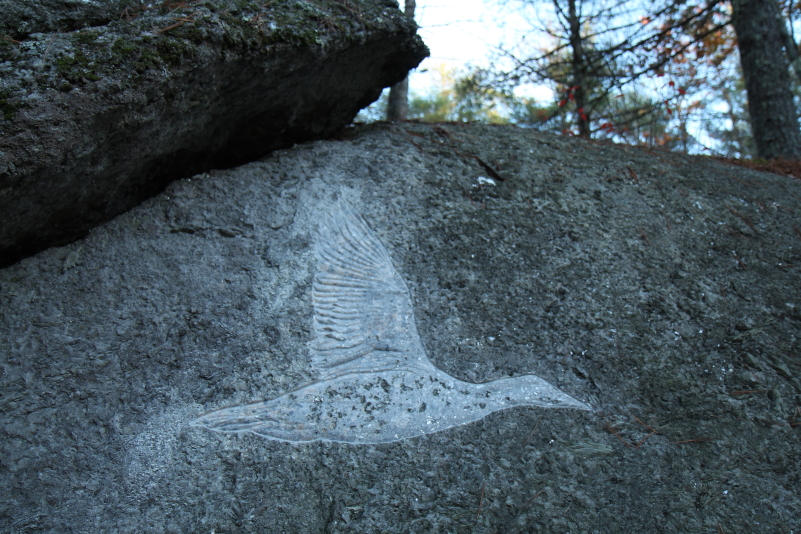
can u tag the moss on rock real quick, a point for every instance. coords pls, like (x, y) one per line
(77, 68)
(8, 109)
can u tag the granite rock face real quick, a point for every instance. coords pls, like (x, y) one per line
(660, 289)
(104, 103)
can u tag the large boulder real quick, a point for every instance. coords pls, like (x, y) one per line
(660, 289)
(104, 103)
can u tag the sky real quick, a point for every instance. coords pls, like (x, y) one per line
(459, 33)
(465, 33)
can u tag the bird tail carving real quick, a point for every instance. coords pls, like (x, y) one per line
(236, 418)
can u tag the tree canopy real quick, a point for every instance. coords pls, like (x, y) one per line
(666, 73)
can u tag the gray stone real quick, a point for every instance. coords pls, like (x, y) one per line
(103, 103)
(661, 289)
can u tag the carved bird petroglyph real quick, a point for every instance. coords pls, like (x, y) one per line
(376, 383)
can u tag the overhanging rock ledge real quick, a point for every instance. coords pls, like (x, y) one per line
(103, 105)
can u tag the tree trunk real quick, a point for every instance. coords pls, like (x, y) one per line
(579, 70)
(790, 47)
(398, 102)
(774, 122)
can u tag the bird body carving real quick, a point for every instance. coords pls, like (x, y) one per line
(375, 383)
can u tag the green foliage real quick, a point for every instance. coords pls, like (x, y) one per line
(460, 98)
(436, 107)
(531, 113)
(466, 98)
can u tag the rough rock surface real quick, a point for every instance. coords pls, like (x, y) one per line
(661, 289)
(102, 103)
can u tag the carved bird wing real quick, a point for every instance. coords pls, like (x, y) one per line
(363, 315)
